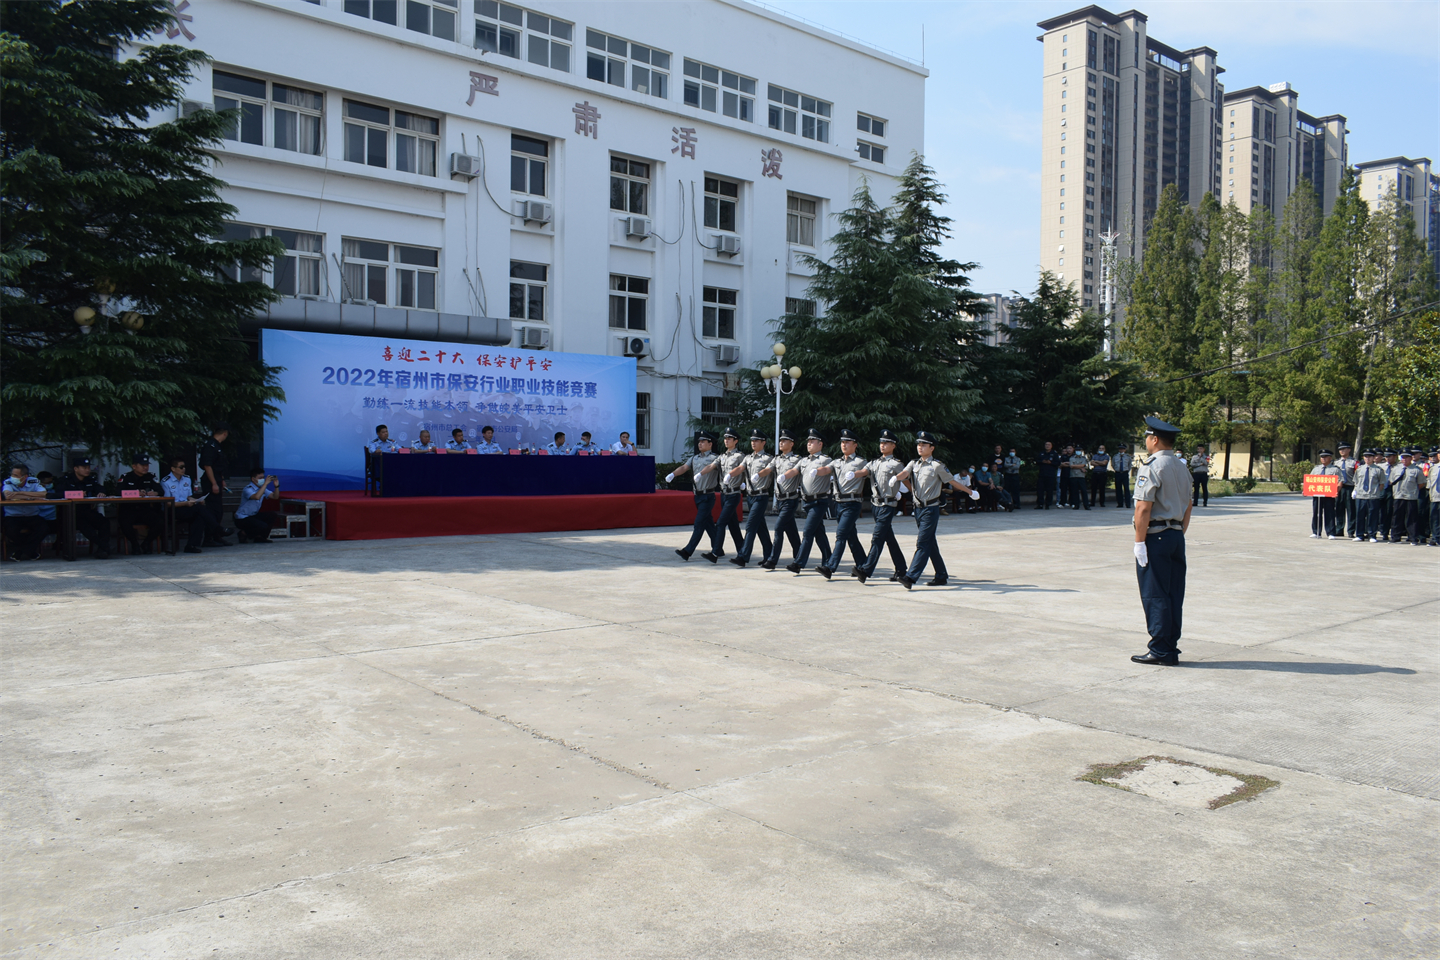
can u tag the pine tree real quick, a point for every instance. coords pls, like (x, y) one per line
(103, 209)
(1160, 323)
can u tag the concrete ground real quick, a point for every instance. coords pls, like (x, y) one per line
(574, 745)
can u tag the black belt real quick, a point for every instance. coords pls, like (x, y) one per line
(1168, 524)
(929, 503)
(727, 490)
(884, 503)
(848, 499)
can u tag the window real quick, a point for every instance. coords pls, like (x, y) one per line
(366, 273)
(367, 138)
(523, 34)
(876, 153)
(297, 273)
(800, 307)
(717, 411)
(607, 58)
(642, 420)
(527, 165)
(814, 115)
(527, 290)
(719, 313)
(436, 17)
(720, 198)
(382, 10)
(716, 90)
(871, 125)
(628, 299)
(629, 185)
(294, 113)
(800, 220)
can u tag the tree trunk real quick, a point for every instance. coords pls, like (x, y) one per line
(1365, 394)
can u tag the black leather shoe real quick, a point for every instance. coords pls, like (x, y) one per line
(906, 582)
(768, 565)
(894, 578)
(102, 554)
(192, 550)
(824, 572)
(854, 571)
(937, 582)
(227, 531)
(793, 567)
(682, 555)
(861, 576)
(711, 557)
(737, 561)
(1150, 658)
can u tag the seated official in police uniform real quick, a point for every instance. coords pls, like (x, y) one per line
(91, 522)
(487, 442)
(558, 447)
(457, 442)
(189, 506)
(423, 445)
(135, 515)
(25, 525)
(586, 445)
(382, 442)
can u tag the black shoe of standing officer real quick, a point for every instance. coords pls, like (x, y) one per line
(711, 557)
(737, 561)
(682, 555)
(1150, 658)
(793, 567)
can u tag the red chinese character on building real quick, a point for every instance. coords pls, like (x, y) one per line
(546, 364)
(387, 355)
(439, 356)
(531, 361)
(405, 354)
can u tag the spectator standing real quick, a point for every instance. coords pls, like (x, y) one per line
(25, 526)
(1200, 477)
(248, 518)
(91, 522)
(1011, 466)
(133, 516)
(1079, 465)
(1049, 462)
(1120, 466)
(1099, 475)
(1066, 453)
(215, 469)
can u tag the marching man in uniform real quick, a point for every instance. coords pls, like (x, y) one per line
(849, 474)
(927, 477)
(787, 499)
(707, 478)
(1163, 487)
(885, 504)
(758, 478)
(731, 491)
(814, 474)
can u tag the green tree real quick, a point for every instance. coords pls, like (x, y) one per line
(1066, 389)
(99, 202)
(1407, 394)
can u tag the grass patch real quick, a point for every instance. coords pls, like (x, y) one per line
(1106, 775)
(1224, 488)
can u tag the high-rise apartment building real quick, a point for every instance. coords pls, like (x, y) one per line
(1146, 115)
(1415, 185)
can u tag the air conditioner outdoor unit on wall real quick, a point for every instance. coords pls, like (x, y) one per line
(729, 246)
(188, 108)
(638, 227)
(537, 212)
(635, 346)
(534, 338)
(462, 164)
(727, 353)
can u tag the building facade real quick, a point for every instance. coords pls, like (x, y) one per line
(642, 179)
(1271, 145)
(1415, 185)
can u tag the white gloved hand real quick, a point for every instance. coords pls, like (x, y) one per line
(894, 484)
(974, 494)
(814, 473)
(850, 475)
(1142, 555)
(669, 478)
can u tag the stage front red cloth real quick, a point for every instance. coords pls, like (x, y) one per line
(350, 515)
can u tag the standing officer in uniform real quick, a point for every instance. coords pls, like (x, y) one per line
(732, 491)
(1405, 483)
(787, 499)
(1162, 515)
(1078, 465)
(90, 521)
(1200, 477)
(1049, 462)
(759, 478)
(885, 506)
(1387, 501)
(1423, 463)
(928, 477)
(1066, 453)
(1322, 509)
(849, 473)
(814, 474)
(1370, 484)
(1099, 475)
(214, 471)
(147, 515)
(1011, 465)
(1432, 486)
(706, 479)
(1345, 502)
(1120, 466)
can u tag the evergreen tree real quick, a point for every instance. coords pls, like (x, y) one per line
(1223, 315)
(103, 209)
(1407, 388)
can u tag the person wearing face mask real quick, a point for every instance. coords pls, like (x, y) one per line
(1010, 468)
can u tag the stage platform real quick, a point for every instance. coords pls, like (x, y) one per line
(350, 515)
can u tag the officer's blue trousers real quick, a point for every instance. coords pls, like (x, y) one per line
(881, 537)
(1367, 518)
(815, 532)
(845, 533)
(755, 526)
(785, 529)
(1162, 590)
(729, 520)
(1345, 511)
(1382, 520)
(1406, 521)
(927, 550)
(1322, 516)
(1122, 490)
(704, 522)
(1435, 521)
(1045, 495)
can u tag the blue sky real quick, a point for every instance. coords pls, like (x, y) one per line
(1375, 62)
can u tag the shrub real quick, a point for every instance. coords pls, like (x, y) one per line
(1292, 474)
(1243, 484)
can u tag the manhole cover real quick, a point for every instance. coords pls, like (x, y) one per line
(1178, 781)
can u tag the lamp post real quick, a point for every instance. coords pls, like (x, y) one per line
(774, 376)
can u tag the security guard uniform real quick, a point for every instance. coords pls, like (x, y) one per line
(1345, 502)
(1120, 466)
(848, 474)
(1011, 466)
(705, 483)
(589, 447)
(212, 455)
(1432, 487)
(927, 477)
(1387, 502)
(420, 447)
(1099, 468)
(759, 479)
(89, 521)
(1078, 464)
(1419, 459)
(1322, 509)
(1371, 482)
(488, 447)
(1200, 479)
(1164, 482)
(458, 446)
(815, 491)
(26, 524)
(557, 449)
(732, 491)
(884, 505)
(787, 501)
(1405, 483)
(147, 515)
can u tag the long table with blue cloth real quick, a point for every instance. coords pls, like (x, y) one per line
(439, 475)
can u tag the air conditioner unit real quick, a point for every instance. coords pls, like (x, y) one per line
(727, 353)
(309, 296)
(188, 108)
(464, 165)
(635, 346)
(637, 227)
(729, 246)
(537, 212)
(534, 338)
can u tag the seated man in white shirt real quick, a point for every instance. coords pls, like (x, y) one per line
(623, 446)
(248, 519)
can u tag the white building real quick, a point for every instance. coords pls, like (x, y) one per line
(569, 176)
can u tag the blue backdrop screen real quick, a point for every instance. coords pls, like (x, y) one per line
(338, 388)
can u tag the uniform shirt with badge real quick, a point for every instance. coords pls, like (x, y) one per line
(30, 508)
(144, 482)
(178, 487)
(1199, 463)
(557, 450)
(488, 446)
(1077, 462)
(89, 486)
(755, 478)
(1121, 462)
(928, 478)
(812, 484)
(703, 482)
(882, 471)
(729, 460)
(1164, 481)
(212, 455)
(459, 446)
(1347, 467)
(418, 447)
(1371, 481)
(589, 447)
(382, 446)
(1405, 481)
(786, 487)
(249, 507)
(854, 487)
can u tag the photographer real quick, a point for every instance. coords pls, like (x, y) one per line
(248, 518)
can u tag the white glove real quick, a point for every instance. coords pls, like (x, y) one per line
(669, 478)
(850, 476)
(974, 494)
(814, 473)
(894, 484)
(1142, 556)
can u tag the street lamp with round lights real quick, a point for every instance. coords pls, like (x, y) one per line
(774, 377)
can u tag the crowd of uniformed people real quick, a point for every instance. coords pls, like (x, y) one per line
(487, 445)
(1389, 495)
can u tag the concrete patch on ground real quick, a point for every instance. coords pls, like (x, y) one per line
(1179, 782)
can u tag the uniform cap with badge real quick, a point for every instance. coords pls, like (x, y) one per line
(888, 436)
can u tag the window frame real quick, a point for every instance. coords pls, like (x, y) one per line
(865, 123)
(789, 105)
(800, 306)
(713, 310)
(426, 143)
(533, 31)
(392, 273)
(528, 157)
(718, 201)
(642, 420)
(875, 152)
(798, 218)
(629, 181)
(527, 288)
(626, 293)
(630, 64)
(716, 94)
(266, 110)
(450, 8)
